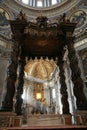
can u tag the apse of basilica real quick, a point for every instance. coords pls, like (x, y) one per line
(43, 61)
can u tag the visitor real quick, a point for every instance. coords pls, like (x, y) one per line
(44, 106)
(38, 106)
(33, 105)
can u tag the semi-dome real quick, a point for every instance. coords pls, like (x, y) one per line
(40, 69)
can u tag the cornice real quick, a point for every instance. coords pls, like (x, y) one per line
(80, 43)
(5, 39)
(4, 43)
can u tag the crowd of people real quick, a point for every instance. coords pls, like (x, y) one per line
(39, 106)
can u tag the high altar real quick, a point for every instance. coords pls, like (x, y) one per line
(43, 39)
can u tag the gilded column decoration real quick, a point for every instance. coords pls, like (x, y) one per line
(76, 76)
(63, 88)
(9, 90)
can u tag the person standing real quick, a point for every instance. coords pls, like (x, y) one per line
(44, 106)
(33, 105)
(38, 106)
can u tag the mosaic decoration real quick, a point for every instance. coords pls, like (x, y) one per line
(4, 17)
(78, 17)
(5, 30)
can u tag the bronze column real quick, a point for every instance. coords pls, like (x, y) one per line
(9, 90)
(76, 76)
(19, 90)
(63, 88)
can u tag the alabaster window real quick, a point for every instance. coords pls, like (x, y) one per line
(54, 2)
(39, 3)
(25, 1)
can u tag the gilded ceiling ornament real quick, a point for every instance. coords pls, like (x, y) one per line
(39, 68)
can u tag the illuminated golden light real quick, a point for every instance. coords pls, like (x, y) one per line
(38, 96)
